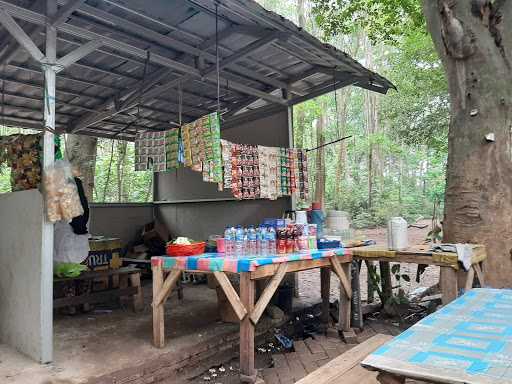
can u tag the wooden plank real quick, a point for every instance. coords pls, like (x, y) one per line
(343, 274)
(449, 284)
(325, 289)
(95, 297)
(231, 294)
(167, 287)
(470, 278)
(247, 291)
(479, 274)
(100, 274)
(357, 375)
(268, 292)
(296, 266)
(334, 370)
(356, 311)
(158, 310)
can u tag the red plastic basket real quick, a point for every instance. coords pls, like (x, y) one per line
(186, 250)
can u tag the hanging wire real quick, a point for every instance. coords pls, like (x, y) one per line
(217, 54)
(3, 95)
(335, 99)
(139, 100)
(180, 104)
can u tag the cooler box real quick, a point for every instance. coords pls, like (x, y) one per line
(104, 253)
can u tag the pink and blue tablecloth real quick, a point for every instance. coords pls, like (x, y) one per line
(218, 262)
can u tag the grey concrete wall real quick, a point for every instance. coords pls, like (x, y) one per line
(25, 319)
(198, 219)
(119, 220)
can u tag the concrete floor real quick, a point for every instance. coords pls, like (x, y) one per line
(111, 338)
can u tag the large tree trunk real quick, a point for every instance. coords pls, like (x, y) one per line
(81, 152)
(474, 40)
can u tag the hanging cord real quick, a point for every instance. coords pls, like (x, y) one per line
(139, 99)
(335, 99)
(217, 54)
(3, 95)
(180, 104)
(329, 143)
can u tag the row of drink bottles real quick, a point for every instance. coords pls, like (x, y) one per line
(240, 242)
(266, 240)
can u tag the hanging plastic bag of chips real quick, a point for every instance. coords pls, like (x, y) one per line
(62, 199)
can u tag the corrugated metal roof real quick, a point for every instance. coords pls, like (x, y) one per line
(264, 60)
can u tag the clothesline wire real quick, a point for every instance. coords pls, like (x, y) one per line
(326, 144)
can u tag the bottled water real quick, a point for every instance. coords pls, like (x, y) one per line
(264, 242)
(229, 242)
(239, 241)
(252, 241)
(258, 239)
(271, 236)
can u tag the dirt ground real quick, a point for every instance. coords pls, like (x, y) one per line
(309, 281)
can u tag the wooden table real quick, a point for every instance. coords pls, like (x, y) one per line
(247, 310)
(452, 275)
(469, 341)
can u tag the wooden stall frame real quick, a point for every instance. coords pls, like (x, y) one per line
(247, 310)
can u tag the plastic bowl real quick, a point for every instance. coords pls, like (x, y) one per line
(186, 250)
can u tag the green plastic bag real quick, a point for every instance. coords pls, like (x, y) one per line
(68, 269)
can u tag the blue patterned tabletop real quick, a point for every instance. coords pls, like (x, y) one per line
(469, 341)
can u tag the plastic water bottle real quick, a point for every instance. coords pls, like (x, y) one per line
(239, 241)
(263, 241)
(258, 240)
(253, 240)
(272, 243)
(229, 242)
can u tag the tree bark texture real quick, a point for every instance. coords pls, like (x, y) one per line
(474, 40)
(81, 152)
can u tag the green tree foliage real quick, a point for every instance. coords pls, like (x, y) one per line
(383, 20)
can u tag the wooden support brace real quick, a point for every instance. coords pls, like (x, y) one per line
(268, 292)
(345, 282)
(167, 287)
(479, 274)
(231, 294)
(469, 278)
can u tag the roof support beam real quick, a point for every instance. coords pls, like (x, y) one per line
(132, 98)
(78, 53)
(65, 11)
(20, 35)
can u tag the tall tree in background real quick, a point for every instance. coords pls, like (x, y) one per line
(475, 47)
(81, 152)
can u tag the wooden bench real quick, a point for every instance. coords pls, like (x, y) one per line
(346, 368)
(122, 282)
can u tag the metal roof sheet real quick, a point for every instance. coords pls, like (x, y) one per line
(264, 60)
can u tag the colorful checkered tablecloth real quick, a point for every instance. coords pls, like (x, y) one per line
(218, 262)
(469, 341)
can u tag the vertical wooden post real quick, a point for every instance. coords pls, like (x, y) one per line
(325, 289)
(158, 310)
(449, 284)
(385, 278)
(138, 298)
(345, 303)
(247, 290)
(369, 282)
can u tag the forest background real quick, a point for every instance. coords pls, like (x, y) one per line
(393, 164)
